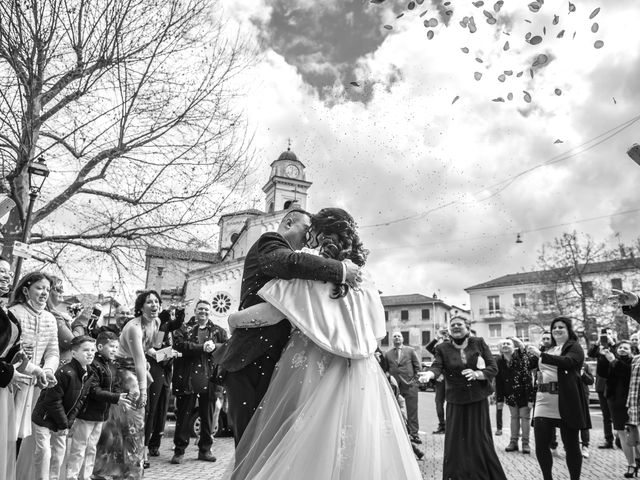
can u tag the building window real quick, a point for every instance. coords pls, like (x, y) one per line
(494, 304)
(520, 300)
(160, 271)
(426, 314)
(386, 315)
(616, 283)
(495, 330)
(405, 337)
(404, 315)
(587, 289)
(548, 298)
(522, 332)
(288, 204)
(221, 303)
(426, 337)
(385, 340)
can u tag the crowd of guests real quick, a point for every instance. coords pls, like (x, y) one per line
(84, 400)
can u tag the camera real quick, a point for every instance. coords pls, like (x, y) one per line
(93, 319)
(604, 338)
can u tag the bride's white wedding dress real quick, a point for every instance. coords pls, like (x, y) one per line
(329, 412)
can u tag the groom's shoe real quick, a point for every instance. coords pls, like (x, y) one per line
(177, 459)
(206, 457)
(415, 438)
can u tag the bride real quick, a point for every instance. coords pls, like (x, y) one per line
(329, 412)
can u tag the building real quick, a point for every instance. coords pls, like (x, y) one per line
(189, 275)
(417, 317)
(523, 304)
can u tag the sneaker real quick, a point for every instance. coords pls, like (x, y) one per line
(177, 459)
(154, 452)
(439, 431)
(606, 445)
(585, 452)
(525, 448)
(498, 432)
(206, 457)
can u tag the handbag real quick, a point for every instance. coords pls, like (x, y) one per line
(633, 436)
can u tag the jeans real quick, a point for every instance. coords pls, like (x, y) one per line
(498, 418)
(208, 411)
(49, 453)
(543, 429)
(520, 416)
(83, 436)
(606, 417)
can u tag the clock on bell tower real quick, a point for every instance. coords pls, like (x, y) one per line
(287, 185)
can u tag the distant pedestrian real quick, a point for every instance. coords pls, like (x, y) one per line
(438, 383)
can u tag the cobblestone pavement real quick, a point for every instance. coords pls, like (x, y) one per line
(601, 465)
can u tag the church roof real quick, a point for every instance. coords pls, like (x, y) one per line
(409, 299)
(182, 254)
(288, 155)
(249, 211)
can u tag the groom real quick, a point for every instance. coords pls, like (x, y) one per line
(250, 355)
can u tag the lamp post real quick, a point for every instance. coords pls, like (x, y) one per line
(38, 173)
(112, 293)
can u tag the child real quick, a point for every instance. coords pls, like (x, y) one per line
(58, 406)
(103, 392)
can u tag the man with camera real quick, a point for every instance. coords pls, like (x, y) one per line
(607, 341)
(443, 336)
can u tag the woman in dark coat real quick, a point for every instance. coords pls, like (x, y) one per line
(617, 371)
(560, 401)
(468, 367)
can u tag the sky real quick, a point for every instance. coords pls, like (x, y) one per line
(439, 176)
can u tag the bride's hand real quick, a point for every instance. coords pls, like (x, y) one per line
(353, 277)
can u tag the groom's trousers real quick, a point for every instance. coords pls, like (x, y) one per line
(410, 394)
(245, 390)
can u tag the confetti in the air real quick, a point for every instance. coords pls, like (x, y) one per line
(594, 13)
(464, 50)
(388, 27)
(499, 99)
(455, 99)
(506, 46)
(598, 44)
(527, 96)
(477, 75)
(355, 84)
(430, 34)
(557, 91)
(572, 7)
(535, 40)
(558, 141)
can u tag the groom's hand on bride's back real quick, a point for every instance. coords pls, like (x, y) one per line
(352, 277)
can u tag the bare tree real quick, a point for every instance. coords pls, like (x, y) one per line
(132, 105)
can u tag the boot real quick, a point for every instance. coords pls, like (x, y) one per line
(512, 447)
(525, 447)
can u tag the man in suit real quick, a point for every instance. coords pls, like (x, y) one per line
(443, 336)
(251, 354)
(404, 366)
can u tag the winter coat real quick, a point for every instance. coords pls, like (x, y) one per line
(103, 392)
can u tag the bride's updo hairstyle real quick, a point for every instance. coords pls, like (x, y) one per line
(337, 238)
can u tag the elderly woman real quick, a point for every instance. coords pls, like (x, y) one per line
(468, 367)
(121, 449)
(617, 371)
(63, 319)
(560, 401)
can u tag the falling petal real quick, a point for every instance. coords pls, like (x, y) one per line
(497, 6)
(541, 59)
(614, 101)
(479, 60)
(411, 5)
(528, 21)
(449, 12)
(556, 19)
(507, 33)
(519, 74)
(455, 99)
(491, 21)
(355, 84)
(499, 99)
(400, 15)
(527, 37)
(534, 7)
(501, 78)
(560, 34)
(510, 96)
(419, 2)
(487, 14)
(506, 46)
(465, 50)
(446, 4)
(595, 27)
(433, 22)
(558, 141)
(531, 72)
(423, 13)
(574, 35)
(388, 27)
(464, 22)
(557, 91)
(535, 40)
(572, 7)
(594, 13)
(430, 34)
(544, 30)
(508, 72)
(472, 25)
(598, 44)
(478, 4)
(377, 1)
(477, 75)
(527, 96)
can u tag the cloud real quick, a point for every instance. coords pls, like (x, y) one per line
(396, 146)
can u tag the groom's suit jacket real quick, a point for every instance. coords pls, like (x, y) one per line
(270, 257)
(405, 370)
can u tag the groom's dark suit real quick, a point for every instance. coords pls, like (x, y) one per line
(251, 354)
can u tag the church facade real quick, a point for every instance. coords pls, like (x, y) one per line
(184, 275)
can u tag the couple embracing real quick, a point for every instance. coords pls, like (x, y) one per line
(307, 397)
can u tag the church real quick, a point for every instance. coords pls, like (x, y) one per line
(190, 275)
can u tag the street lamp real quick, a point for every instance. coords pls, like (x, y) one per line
(38, 173)
(112, 293)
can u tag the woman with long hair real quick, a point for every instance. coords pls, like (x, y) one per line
(328, 404)
(560, 401)
(121, 449)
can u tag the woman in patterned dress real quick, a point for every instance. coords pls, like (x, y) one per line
(329, 412)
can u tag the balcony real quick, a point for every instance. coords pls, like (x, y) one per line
(491, 313)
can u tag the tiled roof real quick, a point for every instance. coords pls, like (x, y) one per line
(549, 276)
(409, 299)
(250, 211)
(181, 254)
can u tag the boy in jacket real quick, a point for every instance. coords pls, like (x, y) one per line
(58, 406)
(103, 392)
